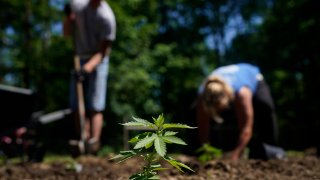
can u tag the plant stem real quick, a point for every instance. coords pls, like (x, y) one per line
(149, 159)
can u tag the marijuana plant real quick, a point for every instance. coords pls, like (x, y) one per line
(207, 152)
(152, 146)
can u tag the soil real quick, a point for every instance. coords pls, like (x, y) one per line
(92, 167)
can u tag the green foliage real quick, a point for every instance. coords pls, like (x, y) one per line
(207, 152)
(159, 59)
(153, 144)
(105, 150)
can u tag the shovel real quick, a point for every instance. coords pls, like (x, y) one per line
(81, 111)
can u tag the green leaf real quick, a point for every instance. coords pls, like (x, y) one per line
(141, 176)
(178, 165)
(170, 133)
(124, 155)
(160, 146)
(144, 142)
(147, 146)
(137, 177)
(145, 122)
(160, 169)
(116, 157)
(140, 136)
(134, 124)
(127, 152)
(155, 177)
(208, 150)
(159, 121)
(167, 126)
(184, 166)
(174, 164)
(157, 167)
(141, 120)
(173, 139)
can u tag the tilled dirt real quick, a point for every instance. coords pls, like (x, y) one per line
(90, 167)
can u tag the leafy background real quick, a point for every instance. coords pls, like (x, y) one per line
(163, 51)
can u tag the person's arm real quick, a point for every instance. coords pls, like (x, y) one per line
(244, 112)
(68, 21)
(203, 121)
(97, 57)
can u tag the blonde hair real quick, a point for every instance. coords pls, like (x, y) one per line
(217, 94)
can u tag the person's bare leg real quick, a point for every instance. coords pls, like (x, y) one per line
(96, 128)
(87, 128)
(97, 123)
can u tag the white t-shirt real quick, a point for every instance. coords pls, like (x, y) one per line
(92, 26)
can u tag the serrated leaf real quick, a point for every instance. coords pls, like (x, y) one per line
(124, 155)
(173, 139)
(178, 165)
(154, 120)
(134, 124)
(136, 177)
(160, 146)
(157, 167)
(126, 158)
(174, 164)
(139, 137)
(184, 166)
(170, 125)
(145, 122)
(116, 157)
(134, 140)
(170, 133)
(155, 177)
(149, 145)
(141, 176)
(160, 169)
(127, 152)
(144, 142)
(159, 121)
(141, 120)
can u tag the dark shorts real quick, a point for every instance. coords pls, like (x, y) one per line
(94, 86)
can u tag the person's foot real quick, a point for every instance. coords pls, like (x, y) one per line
(93, 146)
(76, 148)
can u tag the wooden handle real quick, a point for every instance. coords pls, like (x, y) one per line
(81, 107)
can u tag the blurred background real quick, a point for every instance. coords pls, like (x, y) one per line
(162, 52)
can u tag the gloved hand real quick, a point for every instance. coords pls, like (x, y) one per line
(79, 75)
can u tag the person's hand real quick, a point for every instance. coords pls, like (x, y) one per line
(235, 155)
(232, 155)
(79, 75)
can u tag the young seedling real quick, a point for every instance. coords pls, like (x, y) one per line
(207, 152)
(152, 146)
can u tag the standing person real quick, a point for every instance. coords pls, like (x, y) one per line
(93, 28)
(239, 87)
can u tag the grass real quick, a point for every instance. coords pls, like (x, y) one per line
(51, 157)
(292, 153)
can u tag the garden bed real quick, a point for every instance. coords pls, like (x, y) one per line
(90, 167)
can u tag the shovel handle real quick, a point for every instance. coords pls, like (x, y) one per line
(81, 107)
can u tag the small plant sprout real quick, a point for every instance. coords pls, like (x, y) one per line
(207, 152)
(152, 146)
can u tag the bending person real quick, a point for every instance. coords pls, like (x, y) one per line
(240, 87)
